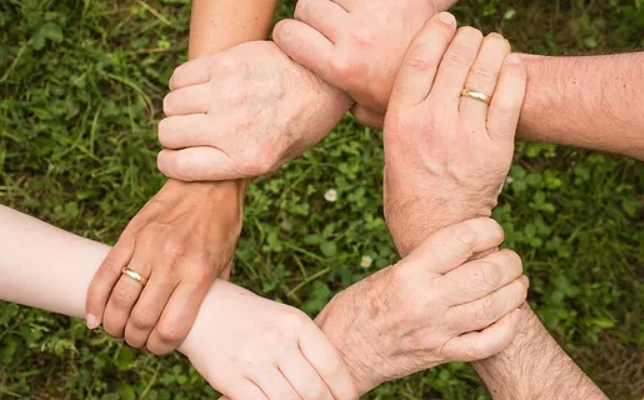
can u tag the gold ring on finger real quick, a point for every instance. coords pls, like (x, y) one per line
(473, 94)
(135, 275)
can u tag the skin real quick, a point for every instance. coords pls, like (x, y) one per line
(185, 237)
(243, 344)
(574, 101)
(534, 366)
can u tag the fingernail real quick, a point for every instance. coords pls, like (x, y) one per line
(447, 18)
(495, 34)
(92, 321)
(513, 59)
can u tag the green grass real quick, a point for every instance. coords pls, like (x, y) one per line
(81, 84)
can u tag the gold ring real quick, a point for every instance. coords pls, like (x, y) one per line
(472, 94)
(135, 275)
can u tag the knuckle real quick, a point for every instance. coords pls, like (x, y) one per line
(124, 299)
(362, 38)
(483, 73)
(491, 274)
(315, 391)
(144, 320)
(489, 311)
(459, 55)
(343, 68)
(419, 58)
(301, 9)
(463, 234)
(171, 333)
(294, 320)
(174, 250)
(512, 261)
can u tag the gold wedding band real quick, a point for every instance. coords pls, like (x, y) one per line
(472, 94)
(135, 275)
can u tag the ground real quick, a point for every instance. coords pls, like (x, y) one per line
(81, 83)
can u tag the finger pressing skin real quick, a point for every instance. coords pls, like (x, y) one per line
(481, 345)
(202, 164)
(148, 309)
(482, 313)
(418, 69)
(456, 65)
(307, 47)
(483, 78)
(178, 317)
(194, 72)
(325, 16)
(188, 100)
(183, 131)
(328, 363)
(477, 279)
(104, 280)
(368, 117)
(505, 109)
(274, 385)
(303, 378)
(124, 296)
(452, 246)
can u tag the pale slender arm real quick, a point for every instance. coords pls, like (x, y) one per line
(591, 102)
(47, 268)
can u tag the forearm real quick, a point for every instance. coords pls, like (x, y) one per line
(50, 269)
(590, 102)
(217, 25)
(535, 367)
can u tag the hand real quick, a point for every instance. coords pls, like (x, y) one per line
(242, 113)
(249, 348)
(431, 308)
(356, 45)
(447, 156)
(182, 240)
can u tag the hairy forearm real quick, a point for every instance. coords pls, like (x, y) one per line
(590, 102)
(535, 367)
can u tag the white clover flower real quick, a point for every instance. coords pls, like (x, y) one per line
(366, 262)
(331, 195)
(509, 179)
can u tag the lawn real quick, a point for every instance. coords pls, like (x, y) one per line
(81, 84)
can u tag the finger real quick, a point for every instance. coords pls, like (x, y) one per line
(481, 345)
(505, 109)
(325, 16)
(307, 47)
(147, 311)
(452, 246)
(193, 72)
(418, 69)
(328, 363)
(456, 65)
(198, 164)
(178, 317)
(187, 100)
(125, 295)
(275, 385)
(482, 313)
(105, 279)
(347, 5)
(303, 378)
(477, 279)
(243, 390)
(367, 117)
(183, 131)
(483, 78)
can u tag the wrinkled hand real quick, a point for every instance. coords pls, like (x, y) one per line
(431, 308)
(356, 45)
(447, 156)
(250, 348)
(182, 240)
(242, 113)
